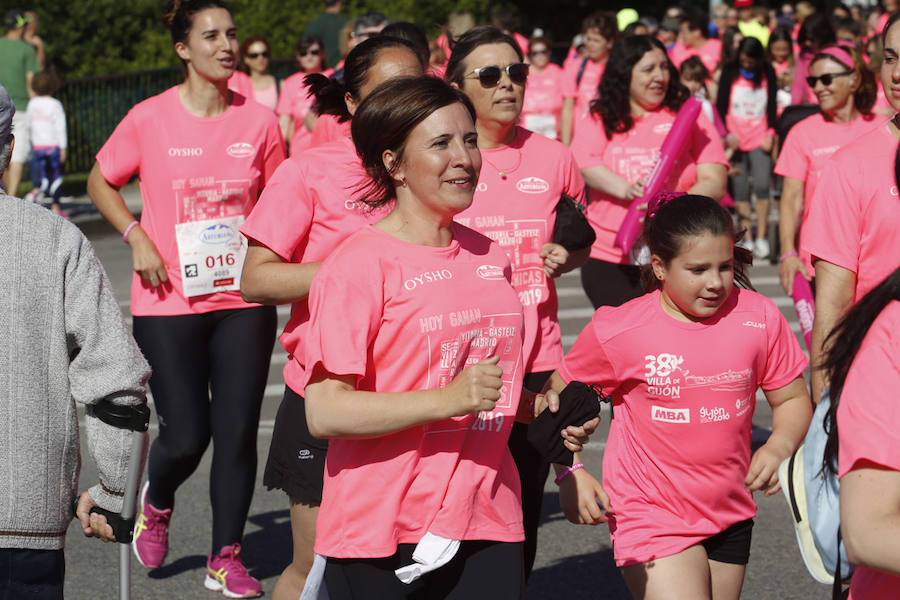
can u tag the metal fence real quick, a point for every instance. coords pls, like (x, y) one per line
(95, 105)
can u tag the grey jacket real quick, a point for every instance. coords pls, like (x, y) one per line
(62, 341)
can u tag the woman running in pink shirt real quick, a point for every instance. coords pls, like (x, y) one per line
(683, 364)
(203, 154)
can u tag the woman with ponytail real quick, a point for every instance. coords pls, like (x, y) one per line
(851, 232)
(863, 424)
(203, 153)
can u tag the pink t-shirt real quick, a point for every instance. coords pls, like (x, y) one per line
(518, 211)
(306, 210)
(328, 129)
(746, 116)
(543, 100)
(806, 150)
(403, 317)
(296, 102)
(241, 83)
(679, 443)
(192, 169)
(709, 54)
(632, 155)
(267, 97)
(869, 426)
(585, 91)
(855, 210)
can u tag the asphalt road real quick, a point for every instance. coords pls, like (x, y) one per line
(573, 562)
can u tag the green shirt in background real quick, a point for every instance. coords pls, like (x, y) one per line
(328, 27)
(17, 59)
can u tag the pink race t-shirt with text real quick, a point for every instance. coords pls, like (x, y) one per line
(543, 100)
(855, 210)
(679, 446)
(191, 169)
(746, 116)
(402, 317)
(518, 211)
(806, 150)
(306, 210)
(869, 426)
(632, 155)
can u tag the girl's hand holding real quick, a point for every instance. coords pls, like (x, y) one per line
(575, 437)
(146, 259)
(634, 190)
(581, 498)
(554, 257)
(475, 388)
(763, 472)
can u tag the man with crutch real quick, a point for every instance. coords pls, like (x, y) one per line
(62, 341)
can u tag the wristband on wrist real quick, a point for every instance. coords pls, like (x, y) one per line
(128, 229)
(567, 472)
(787, 255)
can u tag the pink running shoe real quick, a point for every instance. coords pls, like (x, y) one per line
(151, 533)
(226, 573)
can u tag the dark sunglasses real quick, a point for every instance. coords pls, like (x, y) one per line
(827, 78)
(536, 52)
(313, 52)
(258, 54)
(490, 76)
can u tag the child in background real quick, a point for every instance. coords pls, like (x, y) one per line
(696, 78)
(47, 122)
(683, 364)
(781, 56)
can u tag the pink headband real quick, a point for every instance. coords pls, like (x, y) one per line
(841, 53)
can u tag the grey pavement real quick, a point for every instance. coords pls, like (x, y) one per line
(572, 562)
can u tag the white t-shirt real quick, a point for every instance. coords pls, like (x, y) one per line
(47, 122)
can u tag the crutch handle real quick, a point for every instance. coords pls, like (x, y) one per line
(123, 529)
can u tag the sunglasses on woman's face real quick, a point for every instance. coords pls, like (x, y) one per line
(827, 78)
(314, 52)
(490, 76)
(254, 55)
(536, 52)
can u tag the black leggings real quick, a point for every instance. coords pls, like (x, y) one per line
(479, 570)
(610, 284)
(224, 353)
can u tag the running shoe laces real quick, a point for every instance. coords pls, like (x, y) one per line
(226, 573)
(151, 533)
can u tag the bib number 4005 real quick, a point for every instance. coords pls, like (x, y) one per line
(221, 260)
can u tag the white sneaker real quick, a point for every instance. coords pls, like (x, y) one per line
(746, 245)
(762, 248)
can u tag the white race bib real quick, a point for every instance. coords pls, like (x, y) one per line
(212, 254)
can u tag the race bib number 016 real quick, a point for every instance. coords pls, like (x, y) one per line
(212, 255)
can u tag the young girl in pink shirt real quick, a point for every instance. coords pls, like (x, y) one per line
(414, 369)
(203, 154)
(304, 213)
(845, 89)
(683, 364)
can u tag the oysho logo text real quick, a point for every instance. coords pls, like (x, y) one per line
(181, 152)
(671, 415)
(427, 277)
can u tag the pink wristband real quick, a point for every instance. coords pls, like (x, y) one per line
(128, 229)
(787, 255)
(567, 472)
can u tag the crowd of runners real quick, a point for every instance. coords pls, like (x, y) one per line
(414, 203)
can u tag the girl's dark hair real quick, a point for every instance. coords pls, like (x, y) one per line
(693, 69)
(603, 21)
(845, 339)
(890, 22)
(45, 83)
(245, 46)
(307, 42)
(729, 53)
(753, 48)
(330, 93)
(685, 217)
(179, 18)
(468, 42)
(817, 30)
(781, 34)
(384, 121)
(413, 34)
(615, 87)
(865, 95)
